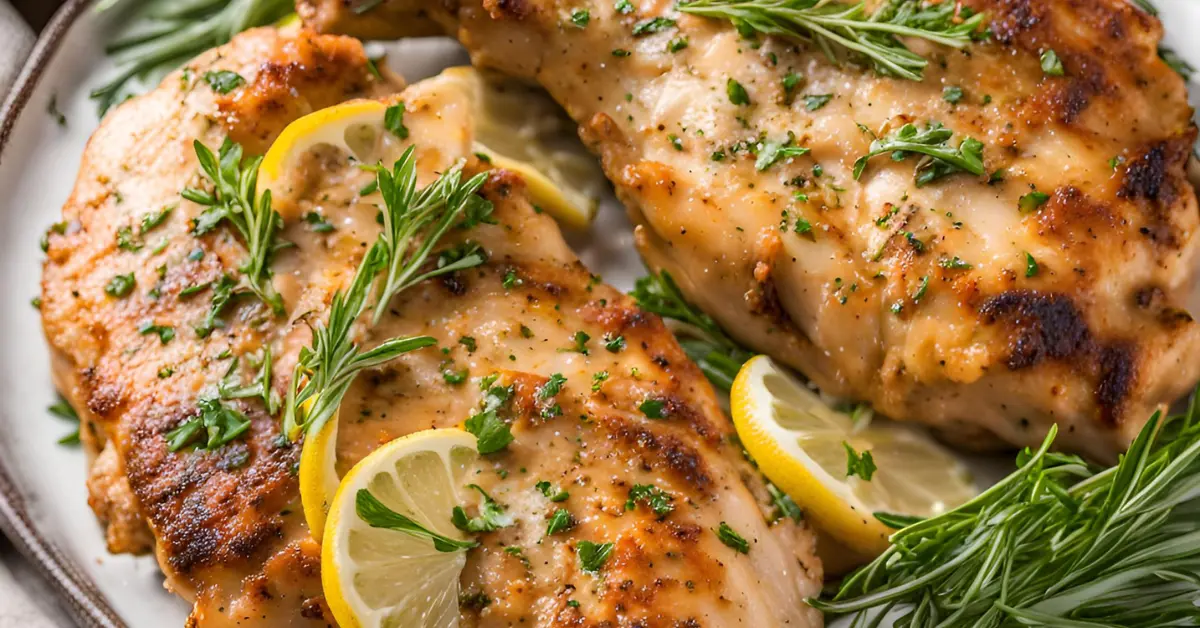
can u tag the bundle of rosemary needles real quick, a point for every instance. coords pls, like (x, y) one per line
(1057, 543)
(163, 34)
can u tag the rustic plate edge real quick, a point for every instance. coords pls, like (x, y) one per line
(84, 602)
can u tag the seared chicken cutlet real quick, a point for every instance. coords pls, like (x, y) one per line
(1054, 287)
(602, 397)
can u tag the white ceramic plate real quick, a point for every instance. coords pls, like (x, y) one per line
(47, 513)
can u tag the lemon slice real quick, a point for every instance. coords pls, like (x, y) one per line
(516, 128)
(318, 473)
(800, 443)
(521, 129)
(379, 576)
(354, 126)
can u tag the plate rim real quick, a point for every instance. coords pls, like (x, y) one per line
(83, 600)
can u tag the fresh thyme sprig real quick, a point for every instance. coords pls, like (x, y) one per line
(414, 223)
(416, 220)
(166, 33)
(234, 198)
(1057, 543)
(837, 27)
(717, 355)
(940, 159)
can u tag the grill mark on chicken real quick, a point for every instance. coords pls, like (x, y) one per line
(1049, 327)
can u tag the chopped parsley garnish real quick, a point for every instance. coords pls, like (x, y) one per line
(552, 386)
(393, 121)
(1051, 64)
(492, 515)
(120, 286)
(815, 102)
(677, 44)
(377, 515)
(469, 343)
(620, 52)
(317, 223)
(615, 344)
(491, 431)
(624, 7)
(223, 81)
(127, 241)
(1032, 202)
(150, 220)
(259, 388)
(954, 263)
(216, 426)
(784, 505)
(653, 408)
(552, 493)
(560, 521)
(732, 539)
(952, 94)
(676, 143)
(1031, 265)
(592, 556)
(653, 497)
(580, 17)
(737, 94)
(581, 339)
(652, 25)
(165, 333)
(598, 380)
(771, 152)
(861, 465)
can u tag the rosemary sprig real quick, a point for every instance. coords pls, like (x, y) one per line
(1057, 543)
(414, 222)
(166, 33)
(234, 198)
(717, 355)
(933, 142)
(847, 29)
(417, 219)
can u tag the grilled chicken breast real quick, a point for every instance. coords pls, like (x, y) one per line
(945, 303)
(227, 525)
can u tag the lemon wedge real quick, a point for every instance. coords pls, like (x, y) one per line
(375, 570)
(800, 444)
(319, 478)
(516, 128)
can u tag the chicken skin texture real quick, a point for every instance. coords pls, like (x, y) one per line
(227, 525)
(946, 303)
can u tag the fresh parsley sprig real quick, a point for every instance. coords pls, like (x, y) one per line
(165, 33)
(1057, 543)
(940, 158)
(416, 219)
(377, 515)
(234, 198)
(841, 29)
(717, 355)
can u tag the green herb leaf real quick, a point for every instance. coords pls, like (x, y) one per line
(732, 539)
(552, 386)
(552, 493)
(165, 333)
(897, 522)
(653, 497)
(952, 94)
(737, 94)
(592, 556)
(771, 152)
(216, 426)
(223, 81)
(492, 515)
(120, 286)
(560, 521)
(235, 199)
(393, 121)
(954, 263)
(784, 505)
(933, 142)
(652, 25)
(1032, 202)
(653, 408)
(1031, 266)
(377, 515)
(861, 465)
(815, 102)
(844, 30)
(580, 17)
(1051, 64)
